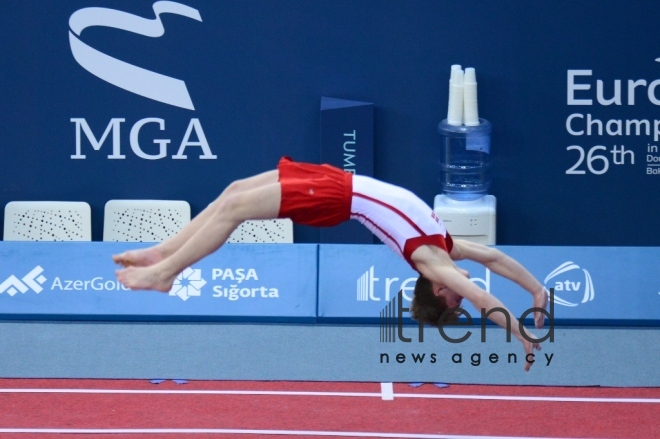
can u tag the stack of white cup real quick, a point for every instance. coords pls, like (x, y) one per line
(463, 109)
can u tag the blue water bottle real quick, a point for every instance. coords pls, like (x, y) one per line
(465, 160)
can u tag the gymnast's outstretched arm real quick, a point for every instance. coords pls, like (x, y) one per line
(444, 273)
(505, 266)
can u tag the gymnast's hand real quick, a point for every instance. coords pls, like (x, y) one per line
(540, 301)
(530, 347)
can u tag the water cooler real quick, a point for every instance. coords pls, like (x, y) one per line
(464, 205)
(470, 220)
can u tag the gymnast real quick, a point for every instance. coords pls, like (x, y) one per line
(324, 196)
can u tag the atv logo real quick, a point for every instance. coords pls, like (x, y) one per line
(33, 280)
(131, 78)
(575, 279)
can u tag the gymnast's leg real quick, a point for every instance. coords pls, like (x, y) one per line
(149, 256)
(260, 203)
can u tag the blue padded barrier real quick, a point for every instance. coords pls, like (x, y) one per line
(74, 281)
(592, 285)
(328, 283)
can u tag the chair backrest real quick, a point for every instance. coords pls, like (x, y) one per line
(263, 231)
(48, 221)
(144, 220)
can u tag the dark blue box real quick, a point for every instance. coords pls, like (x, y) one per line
(347, 142)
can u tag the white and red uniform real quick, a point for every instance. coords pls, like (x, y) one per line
(323, 196)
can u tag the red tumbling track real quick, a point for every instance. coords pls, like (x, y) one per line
(557, 419)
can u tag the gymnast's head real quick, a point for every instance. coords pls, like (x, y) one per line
(431, 300)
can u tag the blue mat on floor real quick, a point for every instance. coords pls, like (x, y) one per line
(224, 351)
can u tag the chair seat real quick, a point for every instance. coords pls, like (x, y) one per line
(144, 220)
(47, 221)
(275, 231)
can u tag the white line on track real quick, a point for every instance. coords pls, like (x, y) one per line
(387, 391)
(345, 394)
(264, 432)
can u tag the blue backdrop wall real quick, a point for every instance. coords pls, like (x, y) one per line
(255, 72)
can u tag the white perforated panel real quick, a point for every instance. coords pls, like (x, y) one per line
(263, 231)
(144, 220)
(47, 221)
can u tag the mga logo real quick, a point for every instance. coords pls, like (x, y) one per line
(188, 284)
(134, 79)
(131, 78)
(571, 281)
(33, 280)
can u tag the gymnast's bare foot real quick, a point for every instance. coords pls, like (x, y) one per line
(540, 301)
(139, 258)
(145, 278)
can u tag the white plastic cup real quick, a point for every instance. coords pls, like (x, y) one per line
(455, 110)
(470, 105)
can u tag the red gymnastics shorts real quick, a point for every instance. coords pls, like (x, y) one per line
(314, 195)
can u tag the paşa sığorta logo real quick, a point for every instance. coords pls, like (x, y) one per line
(188, 284)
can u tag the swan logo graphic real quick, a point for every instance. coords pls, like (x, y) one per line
(33, 280)
(188, 284)
(575, 279)
(135, 79)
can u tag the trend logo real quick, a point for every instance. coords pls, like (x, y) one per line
(33, 280)
(365, 286)
(188, 284)
(135, 79)
(389, 319)
(568, 285)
